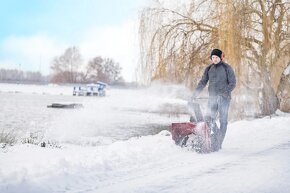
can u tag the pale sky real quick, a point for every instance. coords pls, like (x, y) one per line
(34, 31)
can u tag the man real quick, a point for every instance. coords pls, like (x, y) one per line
(222, 81)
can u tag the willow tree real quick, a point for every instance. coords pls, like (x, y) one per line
(175, 43)
(265, 46)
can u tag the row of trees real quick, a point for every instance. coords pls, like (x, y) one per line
(69, 68)
(254, 34)
(13, 75)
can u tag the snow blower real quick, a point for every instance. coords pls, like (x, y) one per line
(200, 133)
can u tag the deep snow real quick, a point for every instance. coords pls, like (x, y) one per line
(255, 158)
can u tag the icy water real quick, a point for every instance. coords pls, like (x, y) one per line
(122, 114)
(22, 111)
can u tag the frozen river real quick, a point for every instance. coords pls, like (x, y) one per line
(122, 114)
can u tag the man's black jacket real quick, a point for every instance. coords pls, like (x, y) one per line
(221, 78)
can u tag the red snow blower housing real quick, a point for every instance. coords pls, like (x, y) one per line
(199, 134)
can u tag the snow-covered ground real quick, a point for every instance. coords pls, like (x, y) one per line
(255, 158)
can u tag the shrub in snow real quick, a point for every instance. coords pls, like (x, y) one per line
(33, 138)
(36, 138)
(7, 138)
(48, 143)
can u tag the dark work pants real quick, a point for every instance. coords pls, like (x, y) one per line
(219, 106)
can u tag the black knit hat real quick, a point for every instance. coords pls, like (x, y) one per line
(216, 52)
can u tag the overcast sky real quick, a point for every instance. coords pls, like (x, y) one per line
(34, 31)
